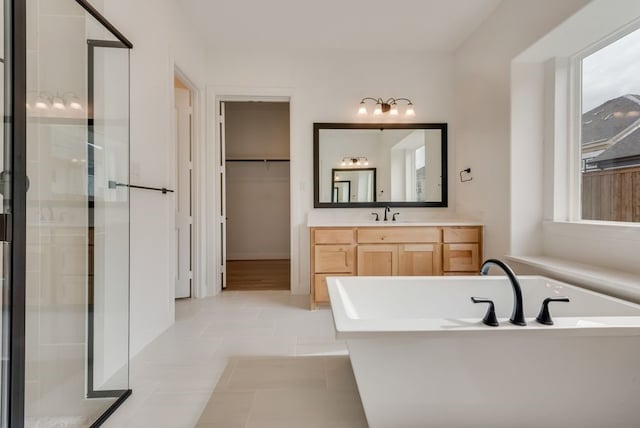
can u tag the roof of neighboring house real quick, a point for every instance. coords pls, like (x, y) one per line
(609, 119)
(625, 148)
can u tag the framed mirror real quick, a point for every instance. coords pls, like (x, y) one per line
(354, 185)
(377, 165)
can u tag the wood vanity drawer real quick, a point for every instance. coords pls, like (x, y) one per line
(334, 236)
(461, 257)
(334, 258)
(399, 235)
(461, 234)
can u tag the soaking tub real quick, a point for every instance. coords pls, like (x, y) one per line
(423, 358)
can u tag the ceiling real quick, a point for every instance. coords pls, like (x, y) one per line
(381, 25)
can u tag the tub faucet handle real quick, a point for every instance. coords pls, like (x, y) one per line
(490, 317)
(544, 317)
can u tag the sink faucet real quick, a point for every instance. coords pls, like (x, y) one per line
(517, 317)
(386, 210)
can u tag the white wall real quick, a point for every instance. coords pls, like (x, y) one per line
(327, 87)
(162, 39)
(482, 108)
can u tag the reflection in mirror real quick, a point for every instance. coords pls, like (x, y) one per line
(406, 164)
(341, 191)
(358, 183)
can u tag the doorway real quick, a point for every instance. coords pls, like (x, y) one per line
(255, 202)
(183, 127)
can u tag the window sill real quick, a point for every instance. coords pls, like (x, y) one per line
(617, 225)
(612, 282)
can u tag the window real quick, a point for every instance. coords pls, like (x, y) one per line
(610, 131)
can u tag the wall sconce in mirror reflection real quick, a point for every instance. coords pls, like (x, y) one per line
(389, 106)
(354, 161)
(52, 104)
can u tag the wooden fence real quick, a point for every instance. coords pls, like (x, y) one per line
(611, 195)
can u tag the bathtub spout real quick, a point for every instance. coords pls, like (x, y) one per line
(517, 317)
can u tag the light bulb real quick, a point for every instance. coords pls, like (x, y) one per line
(362, 109)
(410, 111)
(358, 163)
(394, 110)
(343, 163)
(72, 101)
(378, 110)
(58, 104)
(42, 103)
(366, 163)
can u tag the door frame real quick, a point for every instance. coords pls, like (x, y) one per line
(216, 95)
(14, 346)
(198, 252)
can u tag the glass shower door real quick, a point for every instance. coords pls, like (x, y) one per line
(77, 311)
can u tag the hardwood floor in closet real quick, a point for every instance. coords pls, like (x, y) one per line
(258, 275)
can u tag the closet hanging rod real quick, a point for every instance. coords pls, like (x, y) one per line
(114, 184)
(257, 160)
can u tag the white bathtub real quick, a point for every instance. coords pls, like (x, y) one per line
(422, 357)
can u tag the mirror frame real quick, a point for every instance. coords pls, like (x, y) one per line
(317, 127)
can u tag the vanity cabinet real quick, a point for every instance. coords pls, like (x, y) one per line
(391, 251)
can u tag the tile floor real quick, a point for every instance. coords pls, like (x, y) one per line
(275, 392)
(174, 376)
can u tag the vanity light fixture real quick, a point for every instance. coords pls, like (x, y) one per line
(45, 101)
(389, 106)
(354, 161)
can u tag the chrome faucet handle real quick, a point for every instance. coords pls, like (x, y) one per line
(377, 216)
(544, 317)
(490, 318)
(394, 216)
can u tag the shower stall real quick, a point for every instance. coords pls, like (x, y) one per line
(64, 217)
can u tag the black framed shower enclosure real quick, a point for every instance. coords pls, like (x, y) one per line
(64, 233)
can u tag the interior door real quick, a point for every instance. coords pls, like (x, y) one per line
(184, 218)
(223, 196)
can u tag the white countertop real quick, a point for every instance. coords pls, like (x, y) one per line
(406, 218)
(381, 223)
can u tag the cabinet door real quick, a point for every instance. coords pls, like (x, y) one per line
(320, 292)
(334, 258)
(377, 260)
(461, 257)
(419, 260)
